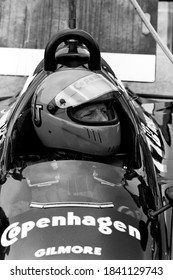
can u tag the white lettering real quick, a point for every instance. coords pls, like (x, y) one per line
(64, 250)
(68, 250)
(97, 251)
(77, 249)
(104, 224)
(40, 253)
(120, 226)
(42, 223)
(88, 250)
(49, 250)
(134, 232)
(58, 220)
(52, 251)
(28, 226)
(73, 220)
(10, 234)
(89, 221)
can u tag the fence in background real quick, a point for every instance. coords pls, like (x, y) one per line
(114, 23)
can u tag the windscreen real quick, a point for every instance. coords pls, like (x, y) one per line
(49, 184)
(72, 181)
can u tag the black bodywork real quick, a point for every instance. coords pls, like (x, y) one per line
(125, 213)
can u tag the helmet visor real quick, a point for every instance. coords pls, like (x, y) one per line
(84, 90)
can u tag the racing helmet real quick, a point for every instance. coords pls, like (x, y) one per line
(59, 113)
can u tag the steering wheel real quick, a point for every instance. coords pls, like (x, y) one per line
(50, 62)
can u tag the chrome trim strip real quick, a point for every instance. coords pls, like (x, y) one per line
(71, 204)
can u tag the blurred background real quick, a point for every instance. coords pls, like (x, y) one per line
(115, 24)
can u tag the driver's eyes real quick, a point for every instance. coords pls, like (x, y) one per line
(93, 112)
(88, 114)
(104, 111)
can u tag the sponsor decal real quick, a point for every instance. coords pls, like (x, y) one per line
(84, 82)
(37, 114)
(3, 131)
(3, 125)
(151, 135)
(105, 225)
(62, 250)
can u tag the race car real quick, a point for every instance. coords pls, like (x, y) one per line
(84, 166)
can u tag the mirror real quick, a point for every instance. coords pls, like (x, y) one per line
(169, 194)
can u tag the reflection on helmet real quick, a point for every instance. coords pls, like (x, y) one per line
(70, 117)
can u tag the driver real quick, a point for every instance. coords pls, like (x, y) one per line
(93, 113)
(67, 123)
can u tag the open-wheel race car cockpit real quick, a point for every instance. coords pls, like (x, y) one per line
(78, 179)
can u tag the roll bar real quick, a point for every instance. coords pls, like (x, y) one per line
(82, 37)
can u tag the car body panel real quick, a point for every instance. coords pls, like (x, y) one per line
(83, 217)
